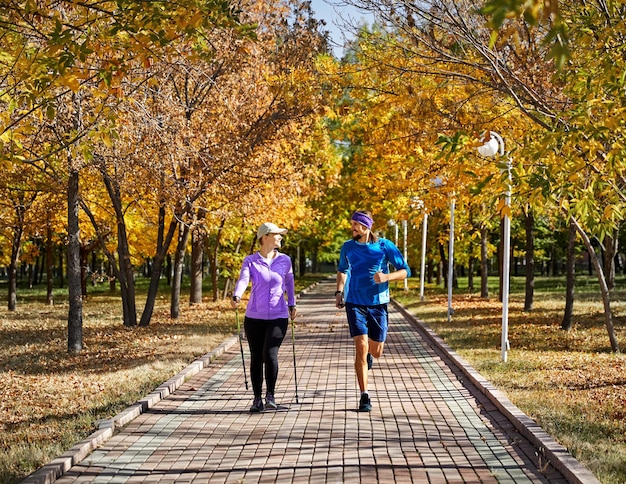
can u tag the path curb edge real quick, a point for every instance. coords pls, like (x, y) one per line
(59, 466)
(574, 471)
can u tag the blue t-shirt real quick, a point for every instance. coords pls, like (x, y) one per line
(360, 262)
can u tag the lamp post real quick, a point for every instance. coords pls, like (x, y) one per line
(418, 204)
(493, 144)
(406, 257)
(392, 223)
(451, 260)
(438, 183)
(423, 264)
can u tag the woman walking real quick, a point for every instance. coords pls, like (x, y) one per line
(267, 313)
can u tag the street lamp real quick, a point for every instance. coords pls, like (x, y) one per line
(418, 204)
(438, 183)
(493, 144)
(451, 260)
(406, 257)
(423, 265)
(392, 223)
(405, 230)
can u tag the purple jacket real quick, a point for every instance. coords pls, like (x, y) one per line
(269, 284)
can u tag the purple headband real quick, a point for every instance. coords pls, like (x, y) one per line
(362, 219)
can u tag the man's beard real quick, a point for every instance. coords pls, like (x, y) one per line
(357, 237)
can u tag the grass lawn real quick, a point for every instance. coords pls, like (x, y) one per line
(51, 400)
(569, 382)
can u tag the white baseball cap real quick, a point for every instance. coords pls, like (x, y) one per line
(269, 228)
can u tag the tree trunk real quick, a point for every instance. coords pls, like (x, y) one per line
(197, 253)
(314, 260)
(231, 280)
(484, 263)
(529, 222)
(303, 258)
(83, 271)
(126, 276)
(608, 256)
(36, 268)
(60, 269)
(213, 270)
(41, 262)
(604, 290)
(471, 260)
(168, 269)
(443, 264)
(430, 271)
(179, 262)
(157, 267)
(198, 236)
(112, 276)
(440, 273)
(75, 313)
(16, 243)
(125, 273)
(570, 271)
(214, 260)
(15, 254)
(49, 263)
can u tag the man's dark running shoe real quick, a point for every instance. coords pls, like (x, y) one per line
(370, 361)
(257, 405)
(365, 405)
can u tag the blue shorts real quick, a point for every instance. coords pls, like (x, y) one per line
(369, 320)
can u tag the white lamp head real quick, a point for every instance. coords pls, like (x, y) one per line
(437, 182)
(417, 203)
(489, 147)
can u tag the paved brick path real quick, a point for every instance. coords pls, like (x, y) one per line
(429, 423)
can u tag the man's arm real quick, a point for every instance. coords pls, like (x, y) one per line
(341, 283)
(381, 277)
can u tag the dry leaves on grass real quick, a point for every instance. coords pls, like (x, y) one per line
(49, 395)
(575, 366)
(568, 381)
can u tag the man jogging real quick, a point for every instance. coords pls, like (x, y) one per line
(362, 287)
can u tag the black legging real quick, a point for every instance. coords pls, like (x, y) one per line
(264, 338)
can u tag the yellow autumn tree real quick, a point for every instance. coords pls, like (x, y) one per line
(520, 67)
(62, 63)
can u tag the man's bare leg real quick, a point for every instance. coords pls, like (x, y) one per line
(360, 360)
(376, 348)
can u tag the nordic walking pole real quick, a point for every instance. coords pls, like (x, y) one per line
(243, 361)
(293, 346)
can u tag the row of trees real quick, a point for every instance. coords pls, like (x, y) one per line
(167, 128)
(153, 123)
(422, 88)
